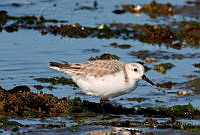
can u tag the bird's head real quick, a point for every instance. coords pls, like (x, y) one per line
(136, 70)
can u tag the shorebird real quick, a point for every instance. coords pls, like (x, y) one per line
(105, 79)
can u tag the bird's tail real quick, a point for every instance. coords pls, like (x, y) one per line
(59, 66)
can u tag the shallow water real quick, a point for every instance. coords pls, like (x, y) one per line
(25, 54)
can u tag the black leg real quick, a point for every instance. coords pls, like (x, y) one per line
(103, 100)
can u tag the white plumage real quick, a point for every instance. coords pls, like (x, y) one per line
(104, 78)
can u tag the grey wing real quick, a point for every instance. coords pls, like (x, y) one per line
(96, 68)
(100, 68)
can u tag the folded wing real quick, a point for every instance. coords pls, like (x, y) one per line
(96, 68)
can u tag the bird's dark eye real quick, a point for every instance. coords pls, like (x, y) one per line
(135, 69)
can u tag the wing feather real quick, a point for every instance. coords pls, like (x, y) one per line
(97, 68)
(100, 68)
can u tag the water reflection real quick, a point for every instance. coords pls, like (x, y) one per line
(117, 131)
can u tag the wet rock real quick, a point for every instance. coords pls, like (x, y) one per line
(150, 122)
(154, 9)
(191, 11)
(3, 17)
(5, 123)
(80, 106)
(91, 50)
(166, 84)
(95, 4)
(190, 31)
(184, 31)
(177, 111)
(31, 104)
(193, 84)
(15, 4)
(119, 11)
(177, 125)
(158, 55)
(104, 31)
(197, 71)
(162, 68)
(117, 130)
(57, 80)
(139, 99)
(38, 87)
(11, 28)
(124, 46)
(181, 32)
(163, 55)
(50, 87)
(76, 30)
(177, 46)
(43, 20)
(121, 46)
(154, 34)
(173, 124)
(113, 123)
(15, 129)
(132, 8)
(113, 44)
(150, 60)
(190, 76)
(21, 89)
(50, 126)
(159, 101)
(197, 65)
(105, 56)
(28, 22)
(1, 29)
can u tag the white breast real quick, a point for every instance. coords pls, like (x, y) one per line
(108, 86)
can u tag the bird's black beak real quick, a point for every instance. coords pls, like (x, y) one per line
(147, 79)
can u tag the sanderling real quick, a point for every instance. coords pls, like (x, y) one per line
(105, 79)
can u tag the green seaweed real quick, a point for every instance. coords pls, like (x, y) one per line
(193, 84)
(177, 111)
(105, 56)
(139, 99)
(57, 80)
(83, 106)
(185, 33)
(4, 123)
(162, 68)
(173, 124)
(121, 46)
(154, 9)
